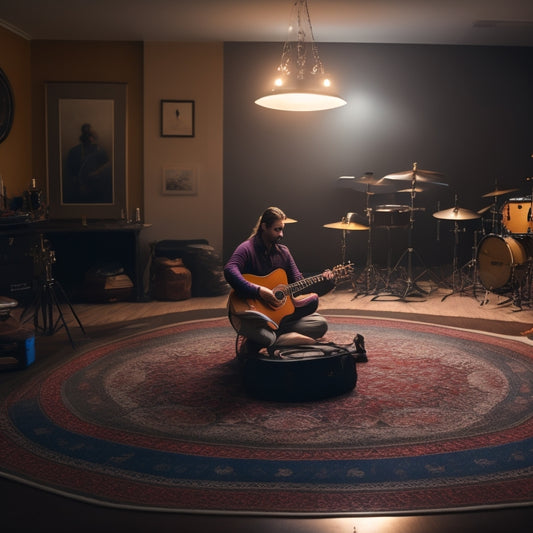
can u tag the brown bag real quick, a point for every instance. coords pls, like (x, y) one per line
(170, 279)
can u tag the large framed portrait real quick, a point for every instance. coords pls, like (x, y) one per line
(86, 143)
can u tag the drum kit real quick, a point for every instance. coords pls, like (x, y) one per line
(501, 262)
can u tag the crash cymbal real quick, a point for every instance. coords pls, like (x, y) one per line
(426, 176)
(456, 213)
(416, 189)
(366, 183)
(498, 192)
(346, 226)
(290, 220)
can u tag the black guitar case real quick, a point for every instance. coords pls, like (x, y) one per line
(302, 373)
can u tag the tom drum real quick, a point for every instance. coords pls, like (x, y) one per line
(516, 216)
(501, 258)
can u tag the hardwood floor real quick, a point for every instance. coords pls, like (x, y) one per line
(26, 508)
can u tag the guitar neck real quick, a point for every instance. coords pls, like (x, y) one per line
(303, 283)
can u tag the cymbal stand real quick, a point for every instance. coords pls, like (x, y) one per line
(496, 225)
(462, 274)
(50, 296)
(412, 289)
(370, 273)
(455, 270)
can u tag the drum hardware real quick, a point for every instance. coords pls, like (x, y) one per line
(412, 288)
(370, 186)
(50, 296)
(456, 214)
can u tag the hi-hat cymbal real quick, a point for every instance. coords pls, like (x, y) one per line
(346, 226)
(498, 192)
(366, 183)
(416, 189)
(456, 213)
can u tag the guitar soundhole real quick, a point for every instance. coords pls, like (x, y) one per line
(279, 295)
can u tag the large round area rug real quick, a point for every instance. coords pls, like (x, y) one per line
(440, 419)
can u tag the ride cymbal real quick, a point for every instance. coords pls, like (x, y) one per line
(456, 213)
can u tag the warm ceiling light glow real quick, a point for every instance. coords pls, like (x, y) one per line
(300, 101)
(302, 90)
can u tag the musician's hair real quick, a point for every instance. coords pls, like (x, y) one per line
(269, 217)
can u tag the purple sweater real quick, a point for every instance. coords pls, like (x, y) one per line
(252, 257)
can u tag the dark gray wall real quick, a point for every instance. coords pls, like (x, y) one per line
(464, 111)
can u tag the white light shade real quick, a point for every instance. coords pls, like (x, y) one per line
(300, 101)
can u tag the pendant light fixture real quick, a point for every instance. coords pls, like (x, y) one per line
(301, 83)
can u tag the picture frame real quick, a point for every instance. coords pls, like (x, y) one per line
(86, 149)
(179, 181)
(177, 118)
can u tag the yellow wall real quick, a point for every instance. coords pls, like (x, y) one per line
(16, 150)
(184, 71)
(58, 61)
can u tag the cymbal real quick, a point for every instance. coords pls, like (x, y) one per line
(484, 210)
(456, 213)
(346, 226)
(415, 174)
(417, 189)
(498, 192)
(366, 183)
(290, 220)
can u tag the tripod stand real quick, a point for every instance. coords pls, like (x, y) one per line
(50, 296)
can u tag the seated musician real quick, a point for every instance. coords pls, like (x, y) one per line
(261, 318)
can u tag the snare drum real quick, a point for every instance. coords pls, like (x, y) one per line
(391, 216)
(501, 258)
(516, 216)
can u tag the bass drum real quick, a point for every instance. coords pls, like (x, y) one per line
(502, 258)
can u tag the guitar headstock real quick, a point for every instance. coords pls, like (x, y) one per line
(343, 271)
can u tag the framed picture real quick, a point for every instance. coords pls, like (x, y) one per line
(177, 118)
(179, 181)
(86, 143)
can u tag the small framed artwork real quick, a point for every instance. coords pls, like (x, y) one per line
(177, 118)
(179, 181)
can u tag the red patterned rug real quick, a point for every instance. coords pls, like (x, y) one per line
(441, 419)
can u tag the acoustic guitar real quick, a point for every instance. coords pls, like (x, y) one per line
(277, 282)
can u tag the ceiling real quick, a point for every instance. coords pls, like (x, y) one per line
(470, 22)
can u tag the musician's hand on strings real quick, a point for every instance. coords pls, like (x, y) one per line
(269, 297)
